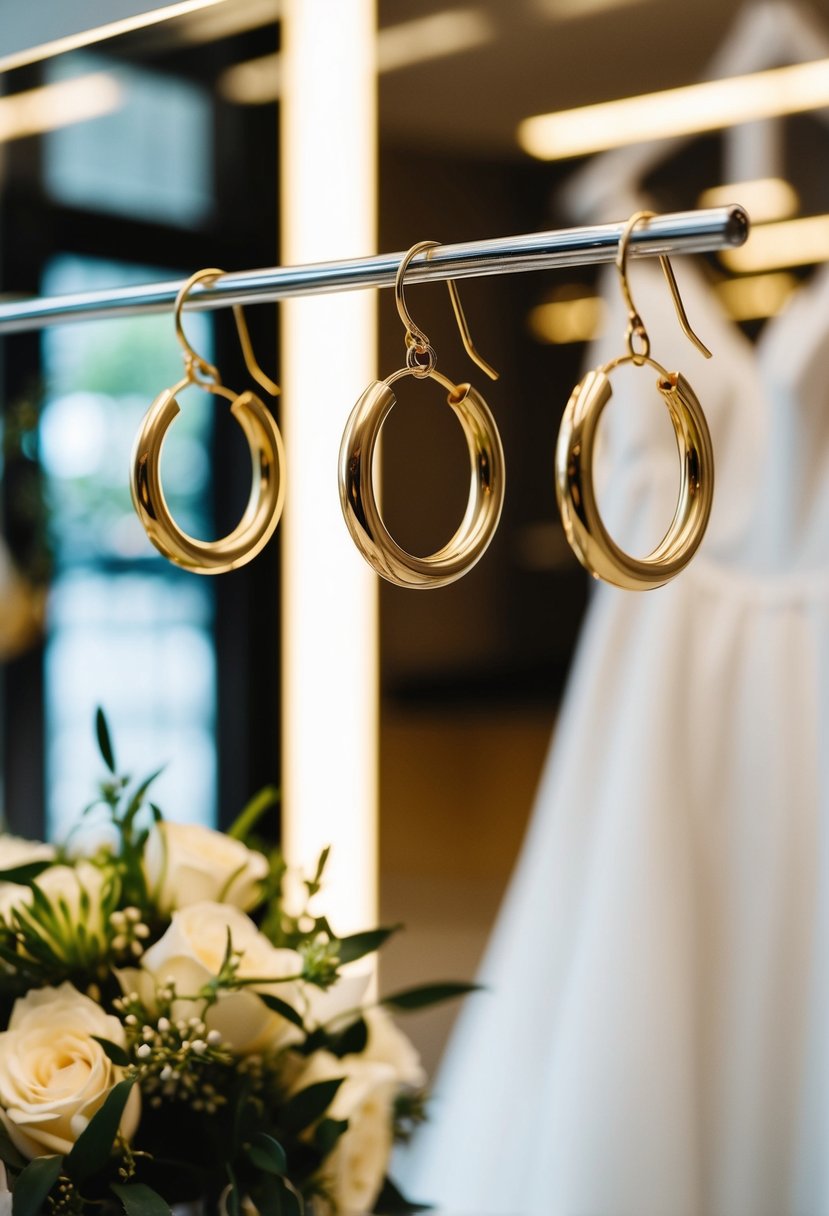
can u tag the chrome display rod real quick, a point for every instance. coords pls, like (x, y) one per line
(675, 233)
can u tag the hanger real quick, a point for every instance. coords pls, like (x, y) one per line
(764, 35)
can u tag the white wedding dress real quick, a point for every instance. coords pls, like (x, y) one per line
(655, 1036)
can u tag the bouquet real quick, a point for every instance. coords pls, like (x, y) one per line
(177, 1025)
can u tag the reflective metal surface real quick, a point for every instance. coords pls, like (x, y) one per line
(583, 525)
(359, 501)
(675, 233)
(267, 491)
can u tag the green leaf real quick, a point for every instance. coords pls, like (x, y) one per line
(137, 798)
(360, 944)
(246, 1119)
(140, 1200)
(426, 995)
(306, 1107)
(228, 954)
(267, 1154)
(278, 1198)
(94, 1145)
(391, 1202)
(351, 1041)
(327, 1133)
(34, 1184)
(277, 1005)
(104, 740)
(250, 814)
(290, 1203)
(322, 862)
(23, 875)
(8, 1152)
(232, 1204)
(113, 1052)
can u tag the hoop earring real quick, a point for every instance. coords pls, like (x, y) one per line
(583, 525)
(267, 492)
(486, 460)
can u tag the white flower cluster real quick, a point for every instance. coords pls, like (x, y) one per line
(178, 1017)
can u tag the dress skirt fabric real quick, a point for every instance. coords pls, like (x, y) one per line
(654, 1040)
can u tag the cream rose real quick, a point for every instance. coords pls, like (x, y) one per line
(77, 894)
(190, 954)
(17, 852)
(186, 863)
(54, 1076)
(14, 851)
(353, 1172)
(387, 1044)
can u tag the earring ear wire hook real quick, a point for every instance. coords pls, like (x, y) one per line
(416, 339)
(194, 363)
(636, 327)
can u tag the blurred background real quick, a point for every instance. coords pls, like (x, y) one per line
(156, 152)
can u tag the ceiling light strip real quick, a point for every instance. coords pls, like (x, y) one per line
(689, 110)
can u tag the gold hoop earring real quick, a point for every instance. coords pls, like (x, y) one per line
(486, 460)
(583, 525)
(267, 492)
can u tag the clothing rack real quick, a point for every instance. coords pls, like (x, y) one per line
(676, 233)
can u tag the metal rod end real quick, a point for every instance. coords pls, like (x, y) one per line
(738, 225)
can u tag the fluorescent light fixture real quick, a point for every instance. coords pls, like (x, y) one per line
(111, 29)
(255, 82)
(432, 37)
(58, 105)
(226, 20)
(567, 318)
(684, 111)
(765, 199)
(259, 81)
(568, 10)
(330, 690)
(788, 243)
(757, 296)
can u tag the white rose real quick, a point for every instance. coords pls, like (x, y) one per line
(77, 895)
(17, 852)
(353, 1172)
(186, 863)
(344, 995)
(14, 851)
(54, 1076)
(5, 1193)
(387, 1044)
(191, 953)
(12, 896)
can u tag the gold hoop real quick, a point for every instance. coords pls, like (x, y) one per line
(486, 460)
(583, 526)
(359, 501)
(267, 493)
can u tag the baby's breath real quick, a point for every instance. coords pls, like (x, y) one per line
(176, 1059)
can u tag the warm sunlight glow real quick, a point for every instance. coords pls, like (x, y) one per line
(683, 111)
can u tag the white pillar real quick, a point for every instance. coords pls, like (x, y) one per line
(328, 355)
